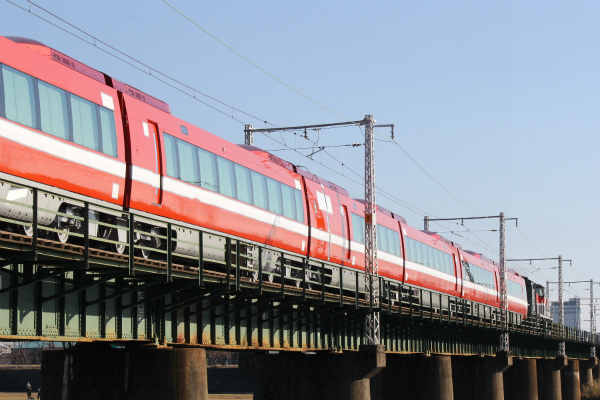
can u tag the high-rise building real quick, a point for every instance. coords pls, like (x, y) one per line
(572, 312)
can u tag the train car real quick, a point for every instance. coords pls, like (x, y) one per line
(71, 129)
(480, 278)
(58, 129)
(537, 299)
(431, 261)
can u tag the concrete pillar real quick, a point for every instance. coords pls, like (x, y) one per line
(520, 381)
(586, 369)
(371, 360)
(549, 380)
(571, 389)
(327, 376)
(435, 375)
(99, 372)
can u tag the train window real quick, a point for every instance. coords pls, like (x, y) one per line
(274, 193)
(382, 239)
(259, 190)
(208, 170)
(393, 242)
(109, 131)
(54, 110)
(226, 177)
(19, 97)
(85, 122)
(419, 253)
(171, 155)
(289, 206)
(358, 228)
(1, 94)
(412, 250)
(188, 163)
(514, 289)
(438, 262)
(299, 208)
(242, 179)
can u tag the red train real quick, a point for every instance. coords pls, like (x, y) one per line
(65, 125)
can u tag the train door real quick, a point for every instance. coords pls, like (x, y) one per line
(497, 277)
(346, 232)
(151, 131)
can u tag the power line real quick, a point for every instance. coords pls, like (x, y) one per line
(252, 62)
(147, 72)
(150, 71)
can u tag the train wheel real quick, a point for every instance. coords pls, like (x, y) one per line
(26, 230)
(109, 233)
(145, 253)
(63, 235)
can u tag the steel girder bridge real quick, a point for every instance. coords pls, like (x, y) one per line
(94, 278)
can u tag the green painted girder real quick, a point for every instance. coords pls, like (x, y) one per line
(124, 291)
(192, 295)
(79, 288)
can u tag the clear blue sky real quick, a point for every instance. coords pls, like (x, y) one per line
(499, 101)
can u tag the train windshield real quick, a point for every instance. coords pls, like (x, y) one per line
(539, 291)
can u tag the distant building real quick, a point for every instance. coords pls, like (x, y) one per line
(572, 312)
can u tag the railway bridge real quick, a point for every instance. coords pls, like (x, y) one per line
(137, 319)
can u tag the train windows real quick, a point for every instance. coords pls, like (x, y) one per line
(358, 228)
(514, 289)
(432, 263)
(85, 122)
(274, 193)
(19, 97)
(412, 249)
(394, 241)
(448, 260)
(299, 208)
(259, 190)
(109, 131)
(438, 262)
(382, 239)
(54, 110)
(171, 155)
(289, 202)
(226, 177)
(188, 163)
(242, 179)
(208, 170)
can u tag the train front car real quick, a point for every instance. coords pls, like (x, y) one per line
(60, 128)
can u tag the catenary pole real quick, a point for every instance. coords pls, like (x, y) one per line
(371, 269)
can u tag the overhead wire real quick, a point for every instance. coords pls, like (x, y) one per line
(150, 69)
(385, 194)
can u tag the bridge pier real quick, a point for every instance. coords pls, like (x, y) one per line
(327, 376)
(587, 367)
(99, 372)
(549, 379)
(520, 382)
(571, 385)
